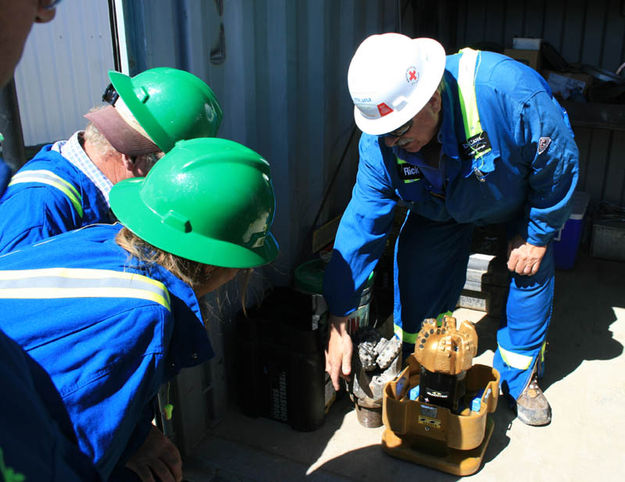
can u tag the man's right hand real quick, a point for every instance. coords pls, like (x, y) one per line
(339, 352)
(157, 459)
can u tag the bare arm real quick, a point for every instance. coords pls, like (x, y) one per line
(339, 352)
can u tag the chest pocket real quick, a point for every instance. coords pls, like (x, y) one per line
(477, 146)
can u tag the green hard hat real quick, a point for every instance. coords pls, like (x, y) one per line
(170, 104)
(208, 200)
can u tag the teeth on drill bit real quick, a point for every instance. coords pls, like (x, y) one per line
(450, 349)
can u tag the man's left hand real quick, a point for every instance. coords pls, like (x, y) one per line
(524, 258)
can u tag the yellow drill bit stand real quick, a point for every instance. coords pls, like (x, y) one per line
(432, 435)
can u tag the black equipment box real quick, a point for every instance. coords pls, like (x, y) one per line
(280, 366)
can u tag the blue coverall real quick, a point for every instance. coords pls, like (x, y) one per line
(5, 175)
(107, 329)
(5, 170)
(58, 198)
(526, 180)
(31, 442)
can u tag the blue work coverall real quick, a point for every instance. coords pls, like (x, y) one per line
(108, 330)
(5, 175)
(32, 444)
(525, 180)
(57, 197)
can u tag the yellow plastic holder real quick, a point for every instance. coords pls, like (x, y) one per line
(434, 436)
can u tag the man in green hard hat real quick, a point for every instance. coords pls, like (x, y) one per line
(67, 184)
(113, 310)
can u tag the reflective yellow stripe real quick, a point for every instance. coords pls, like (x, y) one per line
(412, 337)
(404, 335)
(51, 179)
(466, 93)
(443, 315)
(515, 360)
(50, 283)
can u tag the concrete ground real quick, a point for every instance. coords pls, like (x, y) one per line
(584, 382)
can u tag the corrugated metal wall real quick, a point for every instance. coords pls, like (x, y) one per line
(582, 31)
(279, 69)
(63, 71)
(280, 74)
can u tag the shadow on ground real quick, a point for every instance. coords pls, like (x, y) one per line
(583, 312)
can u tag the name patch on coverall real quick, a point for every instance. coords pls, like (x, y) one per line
(478, 144)
(408, 172)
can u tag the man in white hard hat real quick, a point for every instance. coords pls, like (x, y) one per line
(465, 140)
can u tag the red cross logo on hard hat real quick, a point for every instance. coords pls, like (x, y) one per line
(412, 76)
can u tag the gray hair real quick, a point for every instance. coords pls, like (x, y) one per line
(94, 137)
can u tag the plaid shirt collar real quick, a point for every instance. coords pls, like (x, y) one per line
(72, 151)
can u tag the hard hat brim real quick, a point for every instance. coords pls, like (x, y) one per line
(128, 207)
(122, 136)
(126, 90)
(428, 83)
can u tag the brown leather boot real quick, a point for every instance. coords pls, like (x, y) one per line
(532, 406)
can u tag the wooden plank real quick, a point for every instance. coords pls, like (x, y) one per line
(615, 174)
(324, 235)
(597, 161)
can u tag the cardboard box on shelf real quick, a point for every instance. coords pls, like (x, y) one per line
(568, 85)
(528, 57)
(526, 43)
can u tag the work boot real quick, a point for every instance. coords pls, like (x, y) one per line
(532, 406)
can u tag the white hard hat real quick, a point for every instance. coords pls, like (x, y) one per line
(391, 78)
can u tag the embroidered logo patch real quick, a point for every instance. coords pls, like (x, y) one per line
(543, 144)
(478, 144)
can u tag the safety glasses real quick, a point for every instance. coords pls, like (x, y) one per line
(110, 95)
(48, 4)
(400, 131)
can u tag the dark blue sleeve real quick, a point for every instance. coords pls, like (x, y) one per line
(5, 176)
(362, 232)
(109, 412)
(29, 214)
(554, 167)
(31, 443)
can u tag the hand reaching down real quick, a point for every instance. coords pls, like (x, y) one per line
(157, 459)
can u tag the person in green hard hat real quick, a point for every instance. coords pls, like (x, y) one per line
(113, 310)
(67, 184)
